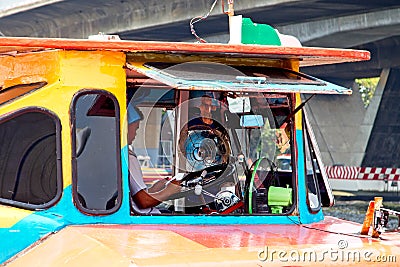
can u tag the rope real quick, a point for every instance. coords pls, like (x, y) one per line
(200, 18)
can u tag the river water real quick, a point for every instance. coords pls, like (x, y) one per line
(354, 210)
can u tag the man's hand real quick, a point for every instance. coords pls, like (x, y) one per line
(173, 187)
(157, 186)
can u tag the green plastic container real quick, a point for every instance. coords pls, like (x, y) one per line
(279, 196)
(276, 210)
(262, 34)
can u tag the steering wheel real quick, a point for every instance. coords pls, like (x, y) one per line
(210, 177)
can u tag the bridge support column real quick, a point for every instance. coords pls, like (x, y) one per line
(383, 148)
(342, 125)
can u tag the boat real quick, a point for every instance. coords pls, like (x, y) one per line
(65, 196)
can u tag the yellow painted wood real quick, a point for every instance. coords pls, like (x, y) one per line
(66, 73)
(10, 216)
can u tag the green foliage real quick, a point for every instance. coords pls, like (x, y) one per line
(367, 88)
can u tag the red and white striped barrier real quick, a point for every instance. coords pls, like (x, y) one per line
(363, 173)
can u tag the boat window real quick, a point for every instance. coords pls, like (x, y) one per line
(30, 159)
(251, 74)
(320, 178)
(230, 161)
(152, 93)
(271, 187)
(204, 76)
(96, 159)
(312, 170)
(12, 92)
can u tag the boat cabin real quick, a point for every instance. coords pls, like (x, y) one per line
(226, 121)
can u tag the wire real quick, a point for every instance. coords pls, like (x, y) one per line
(327, 231)
(200, 18)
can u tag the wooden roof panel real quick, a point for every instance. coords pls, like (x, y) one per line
(308, 56)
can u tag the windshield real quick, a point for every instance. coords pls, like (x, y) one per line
(225, 147)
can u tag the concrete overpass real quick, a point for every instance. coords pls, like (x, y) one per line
(371, 24)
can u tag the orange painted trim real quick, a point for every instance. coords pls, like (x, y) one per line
(309, 55)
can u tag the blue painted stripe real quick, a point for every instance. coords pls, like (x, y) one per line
(305, 215)
(64, 213)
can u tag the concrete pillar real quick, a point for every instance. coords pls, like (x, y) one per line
(342, 125)
(383, 148)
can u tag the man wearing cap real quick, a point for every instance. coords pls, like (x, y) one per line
(205, 118)
(144, 199)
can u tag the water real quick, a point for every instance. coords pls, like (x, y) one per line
(355, 210)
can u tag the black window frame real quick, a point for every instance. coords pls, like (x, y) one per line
(59, 178)
(75, 194)
(311, 152)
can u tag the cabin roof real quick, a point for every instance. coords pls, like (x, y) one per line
(308, 56)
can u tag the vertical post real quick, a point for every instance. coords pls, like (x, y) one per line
(231, 11)
(369, 216)
(235, 25)
(378, 205)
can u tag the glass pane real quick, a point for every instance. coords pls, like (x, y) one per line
(97, 153)
(312, 170)
(325, 191)
(29, 169)
(151, 139)
(225, 152)
(230, 150)
(204, 76)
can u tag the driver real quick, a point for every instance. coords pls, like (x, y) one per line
(144, 199)
(204, 150)
(207, 127)
(207, 107)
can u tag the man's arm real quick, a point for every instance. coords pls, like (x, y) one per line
(145, 199)
(157, 186)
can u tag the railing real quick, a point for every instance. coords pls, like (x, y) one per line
(363, 173)
(364, 179)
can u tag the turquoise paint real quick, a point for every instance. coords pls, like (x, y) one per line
(26, 232)
(305, 215)
(64, 213)
(41, 223)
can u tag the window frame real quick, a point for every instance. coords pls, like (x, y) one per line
(75, 196)
(291, 124)
(327, 198)
(308, 144)
(59, 178)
